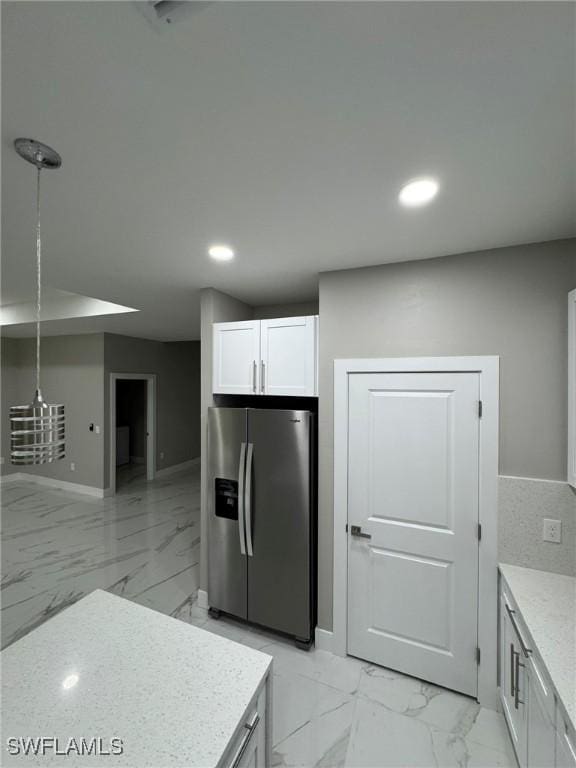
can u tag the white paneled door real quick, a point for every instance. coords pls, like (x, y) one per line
(413, 524)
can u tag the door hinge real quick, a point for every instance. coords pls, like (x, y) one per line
(477, 655)
(346, 527)
(479, 409)
(479, 531)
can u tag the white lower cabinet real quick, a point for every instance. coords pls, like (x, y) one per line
(565, 746)
(541, 732)
(538, 730)
(251, 745)
(513, 688)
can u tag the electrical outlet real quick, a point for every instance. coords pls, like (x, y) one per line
(552, 530)
(161, 455)
(72, 466)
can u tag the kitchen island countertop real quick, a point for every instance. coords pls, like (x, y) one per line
(107, 668)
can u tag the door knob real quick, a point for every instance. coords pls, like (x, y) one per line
(356, 530)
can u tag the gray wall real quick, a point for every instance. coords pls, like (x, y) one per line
(302, 309)
(215, 307)
(177, 368)
(510, 302)
(75, 372)
(72, 373)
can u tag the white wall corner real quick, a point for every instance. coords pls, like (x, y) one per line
(203, 599)
(323, 640)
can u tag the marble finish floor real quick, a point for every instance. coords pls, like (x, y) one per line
(144, 544)
(57, 546)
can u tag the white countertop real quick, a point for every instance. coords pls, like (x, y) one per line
(174, 693)
(547, 602)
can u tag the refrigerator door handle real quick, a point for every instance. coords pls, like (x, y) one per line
(248, 500)
(241, 480)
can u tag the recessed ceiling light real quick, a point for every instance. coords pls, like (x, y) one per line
(221, 252)
(70, 681)
(418, 192)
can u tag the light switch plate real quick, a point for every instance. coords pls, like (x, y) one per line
(552, 530)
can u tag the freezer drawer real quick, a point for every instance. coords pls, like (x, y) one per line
(227, 574)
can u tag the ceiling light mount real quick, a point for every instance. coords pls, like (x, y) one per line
(418, 192)
(40, 155)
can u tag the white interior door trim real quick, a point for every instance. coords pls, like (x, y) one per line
(150, 379)
(488, 367)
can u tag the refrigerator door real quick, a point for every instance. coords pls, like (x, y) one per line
(227, 572)
(278, 504)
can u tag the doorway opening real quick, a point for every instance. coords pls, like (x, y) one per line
(132, 429)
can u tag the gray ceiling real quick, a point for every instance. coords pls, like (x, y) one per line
(285, 129)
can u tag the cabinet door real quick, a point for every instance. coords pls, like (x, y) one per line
(236, 357)
(249, 750)
(513, 689)
(565, 746)
(541, 733)
(288, 356)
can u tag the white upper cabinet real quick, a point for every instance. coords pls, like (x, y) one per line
(572, 388)
(266, 357)
(288, 356)
(236, 358)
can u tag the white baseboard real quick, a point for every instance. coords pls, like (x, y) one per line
(52, 482)
(323, 639)
(166, 471)
(203, 599)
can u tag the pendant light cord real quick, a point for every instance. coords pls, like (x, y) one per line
(38, 279)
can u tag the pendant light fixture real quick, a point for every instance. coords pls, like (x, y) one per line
(37, 430)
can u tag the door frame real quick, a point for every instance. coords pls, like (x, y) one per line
(488, 368)
(150, 379)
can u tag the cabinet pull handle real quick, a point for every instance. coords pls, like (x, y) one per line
(254, 376)
(517, 699)
(250, 728)
(262, 377)
(527, 651)
(512, 689)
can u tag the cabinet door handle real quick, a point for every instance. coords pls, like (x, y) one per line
(262, 376)
(250, 728)
(511, 613)
(254, 371)
(512, 689)
(517, 699)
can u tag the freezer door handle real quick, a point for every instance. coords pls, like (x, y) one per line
(241, 479)
(248, 500)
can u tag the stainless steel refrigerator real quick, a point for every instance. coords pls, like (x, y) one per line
(262, 521)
